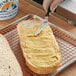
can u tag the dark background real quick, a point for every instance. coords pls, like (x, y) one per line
(39, 1)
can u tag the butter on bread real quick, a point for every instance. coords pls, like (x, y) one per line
(41, 52)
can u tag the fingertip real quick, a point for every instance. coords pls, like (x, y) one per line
(51, 9)
(46, 4)
(45, 8)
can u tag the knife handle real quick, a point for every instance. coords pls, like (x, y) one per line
(48, 12)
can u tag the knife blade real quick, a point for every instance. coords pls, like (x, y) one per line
(44, 22)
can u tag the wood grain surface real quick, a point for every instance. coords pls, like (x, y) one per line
(29, 8)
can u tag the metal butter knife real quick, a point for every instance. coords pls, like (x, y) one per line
(44, 22)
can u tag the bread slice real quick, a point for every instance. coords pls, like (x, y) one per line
(41, 52)
(9, 65)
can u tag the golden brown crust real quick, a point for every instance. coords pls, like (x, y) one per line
(42, 70)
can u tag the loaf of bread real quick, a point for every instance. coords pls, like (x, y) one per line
(41, 52)
(9, 65)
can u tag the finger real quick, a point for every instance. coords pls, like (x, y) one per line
(46, 4)
(54, 5)
(54, 9)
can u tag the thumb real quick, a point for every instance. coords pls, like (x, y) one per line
(46, 4)
(54, 5)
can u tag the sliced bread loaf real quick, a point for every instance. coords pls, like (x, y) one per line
(9, 65)
(41, 52)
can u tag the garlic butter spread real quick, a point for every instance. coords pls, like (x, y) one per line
(41, 50)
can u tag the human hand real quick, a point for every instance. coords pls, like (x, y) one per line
(52, 3)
